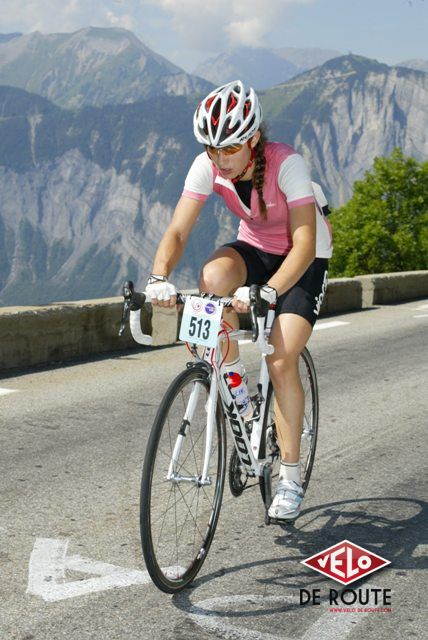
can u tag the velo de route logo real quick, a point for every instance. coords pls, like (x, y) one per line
(346, 562)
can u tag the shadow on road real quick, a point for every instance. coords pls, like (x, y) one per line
(392, 527)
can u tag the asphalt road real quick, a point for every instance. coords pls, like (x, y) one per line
(72, 440)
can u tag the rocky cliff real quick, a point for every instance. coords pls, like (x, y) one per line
(345, 113)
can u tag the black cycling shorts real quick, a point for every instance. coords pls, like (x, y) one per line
(304, 298)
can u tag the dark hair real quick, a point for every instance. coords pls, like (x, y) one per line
(259, 170)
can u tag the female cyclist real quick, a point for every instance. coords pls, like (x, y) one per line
(284, 242)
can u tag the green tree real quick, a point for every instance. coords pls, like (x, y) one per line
(384, 227)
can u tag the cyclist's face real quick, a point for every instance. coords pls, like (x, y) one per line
(232, 161)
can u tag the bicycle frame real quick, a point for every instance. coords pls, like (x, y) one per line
(247, 447)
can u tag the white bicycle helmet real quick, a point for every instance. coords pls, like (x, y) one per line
(228, 115)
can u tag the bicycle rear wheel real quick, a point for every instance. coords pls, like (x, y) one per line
(269, 443)
(178, 516)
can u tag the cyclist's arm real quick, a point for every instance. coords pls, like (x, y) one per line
(175, 237)
(294, 180)
(302, 254)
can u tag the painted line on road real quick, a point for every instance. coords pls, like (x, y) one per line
(421, 315)
(5, 392)
(421, 551)
(322, 325)
(421, 308)
(326, 627)
(329, 325)
(49, 563)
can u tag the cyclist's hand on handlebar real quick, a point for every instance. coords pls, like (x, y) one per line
(161, 292)
(269, 294)
(241, 299)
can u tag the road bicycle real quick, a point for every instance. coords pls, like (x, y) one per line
(185, 463)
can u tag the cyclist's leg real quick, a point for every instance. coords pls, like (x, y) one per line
(225, 271)
(298, 310)
(289, 336)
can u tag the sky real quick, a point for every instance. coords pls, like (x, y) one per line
(188, 32)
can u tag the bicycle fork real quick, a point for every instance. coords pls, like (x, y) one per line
(204, 479)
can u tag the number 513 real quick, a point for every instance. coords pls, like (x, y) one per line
(199, 328)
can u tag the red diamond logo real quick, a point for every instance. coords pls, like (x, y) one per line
(345, 562)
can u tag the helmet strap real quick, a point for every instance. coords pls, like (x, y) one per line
(249, 165)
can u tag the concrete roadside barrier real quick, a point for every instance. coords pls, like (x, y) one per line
(343, 294)
(387, 288)
(59, 332)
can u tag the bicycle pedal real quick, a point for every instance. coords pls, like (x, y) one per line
(282, 521)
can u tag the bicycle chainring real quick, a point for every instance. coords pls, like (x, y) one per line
(238, 476)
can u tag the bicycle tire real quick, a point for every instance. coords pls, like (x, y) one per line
(269, 446)
(178, 518)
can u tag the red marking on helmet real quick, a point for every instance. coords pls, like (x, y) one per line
(247, 108)
(209, 102)
(232, 103)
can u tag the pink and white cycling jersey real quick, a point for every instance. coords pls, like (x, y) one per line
(287, 185)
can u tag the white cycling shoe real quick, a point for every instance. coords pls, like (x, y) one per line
(287, 501)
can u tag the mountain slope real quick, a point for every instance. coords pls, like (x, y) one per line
(419, 64)
(86, 196)
(92, 66)
(260, 67)
(342, 115)
(5, 37)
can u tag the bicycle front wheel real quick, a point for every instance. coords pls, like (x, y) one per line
(179, 509)
(269, 442)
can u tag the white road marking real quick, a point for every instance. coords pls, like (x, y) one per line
(5, 392)
(48, 564)
(421, 315)
(328, 626)
(421, 551)
(317, 327)
(329, 325)
(421, 308)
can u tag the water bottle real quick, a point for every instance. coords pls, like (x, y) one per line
(239, 390)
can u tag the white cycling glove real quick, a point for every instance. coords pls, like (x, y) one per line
(269, 294)
(266, 292)
(243, 294)
(158, 288)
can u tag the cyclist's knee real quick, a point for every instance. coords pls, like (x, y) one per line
(283, 367)
(213, 280)
(224, 272)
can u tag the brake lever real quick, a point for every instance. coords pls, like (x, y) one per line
(255, 301)
(127, 292)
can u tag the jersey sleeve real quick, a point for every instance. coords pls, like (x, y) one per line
(295, 182)
(199, 181)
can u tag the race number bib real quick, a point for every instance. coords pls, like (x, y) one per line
(201, 321)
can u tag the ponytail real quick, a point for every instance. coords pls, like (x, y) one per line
(259, 170)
